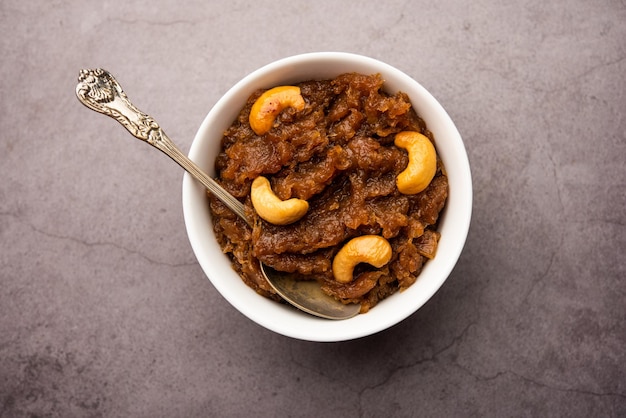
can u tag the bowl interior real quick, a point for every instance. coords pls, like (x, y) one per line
(454, 223)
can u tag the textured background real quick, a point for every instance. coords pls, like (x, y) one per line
(105, 312)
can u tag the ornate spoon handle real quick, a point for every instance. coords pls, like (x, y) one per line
(98, 90)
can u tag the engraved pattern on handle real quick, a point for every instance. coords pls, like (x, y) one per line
(98, 90)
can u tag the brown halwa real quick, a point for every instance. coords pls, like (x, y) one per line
(338, 154)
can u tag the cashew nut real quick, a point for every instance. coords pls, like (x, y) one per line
(372, 249)
(270, 104)
(422, 162)
(269, 206)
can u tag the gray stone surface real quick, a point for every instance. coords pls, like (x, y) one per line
(104, 311)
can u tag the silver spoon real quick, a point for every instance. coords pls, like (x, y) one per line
(98, 90)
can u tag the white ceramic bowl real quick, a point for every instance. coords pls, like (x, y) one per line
(454, 222)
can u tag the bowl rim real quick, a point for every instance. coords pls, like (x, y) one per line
(284, 319)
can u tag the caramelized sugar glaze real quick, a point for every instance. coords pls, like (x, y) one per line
(338, 154)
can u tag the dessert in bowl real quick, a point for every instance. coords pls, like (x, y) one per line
(452, 224)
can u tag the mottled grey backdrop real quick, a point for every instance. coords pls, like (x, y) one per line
(104, 311)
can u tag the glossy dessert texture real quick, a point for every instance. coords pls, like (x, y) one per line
(356, 163)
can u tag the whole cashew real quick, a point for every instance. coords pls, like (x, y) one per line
(269, 207)
(422, 162)
(270, 104)
(371, 249)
